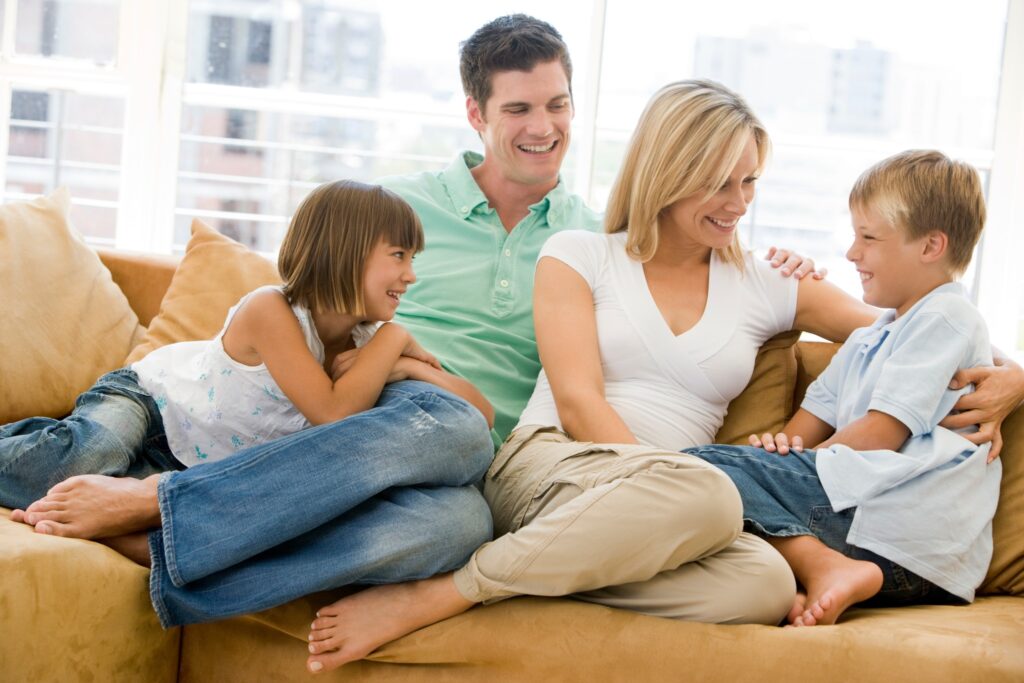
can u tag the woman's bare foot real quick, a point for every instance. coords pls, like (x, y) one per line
(134, 546)
(833, 581)
(358, 624)
(95, 506)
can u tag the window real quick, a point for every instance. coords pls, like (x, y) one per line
(158, 112)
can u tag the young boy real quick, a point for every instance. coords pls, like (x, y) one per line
(890, 505)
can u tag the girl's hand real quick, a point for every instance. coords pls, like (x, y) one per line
(417, 352)
(342, 363)
(779, 442)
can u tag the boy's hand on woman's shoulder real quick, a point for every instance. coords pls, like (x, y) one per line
(777, 443)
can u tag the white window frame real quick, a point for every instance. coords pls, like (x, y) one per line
(149, 73)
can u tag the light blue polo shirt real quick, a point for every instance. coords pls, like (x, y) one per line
(472, 304)
(929, 506)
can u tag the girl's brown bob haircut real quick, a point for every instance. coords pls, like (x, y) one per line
(323, 256)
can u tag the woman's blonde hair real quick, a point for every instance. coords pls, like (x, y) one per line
(323, 256)
(689, 138)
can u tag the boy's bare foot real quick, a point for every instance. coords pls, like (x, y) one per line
(798, 608)
(96, 506)
(832, 581)
(832, 592)
(134, 546)
(358, 624)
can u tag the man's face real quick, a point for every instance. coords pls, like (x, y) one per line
(525, 123)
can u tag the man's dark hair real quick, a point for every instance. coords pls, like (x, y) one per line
(516, 42)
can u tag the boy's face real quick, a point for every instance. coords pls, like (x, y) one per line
(890, 266)
(525, 123)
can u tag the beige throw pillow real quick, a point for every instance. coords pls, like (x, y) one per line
(213, 275)
(65, 321)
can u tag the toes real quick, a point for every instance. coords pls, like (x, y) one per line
(18, 516)
(53, 528)
(328, 662)
(321, 623)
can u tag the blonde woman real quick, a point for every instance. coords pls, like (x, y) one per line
(645, 333)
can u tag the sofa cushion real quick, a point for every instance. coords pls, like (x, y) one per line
(1006, 572)
(65, 321)
(767, 402)
(74, 610)
(213, 275)
(543, 639)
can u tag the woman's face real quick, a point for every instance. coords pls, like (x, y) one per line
(713, 222)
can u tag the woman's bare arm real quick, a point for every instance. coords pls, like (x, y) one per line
(563, 313)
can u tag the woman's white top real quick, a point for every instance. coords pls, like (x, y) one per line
(672, 391)
(212, 405)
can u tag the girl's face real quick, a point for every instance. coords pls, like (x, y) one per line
(388, 274)
(713, 222)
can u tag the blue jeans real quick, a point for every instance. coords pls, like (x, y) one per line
(782, 496)
(115, 429)
(383, 496)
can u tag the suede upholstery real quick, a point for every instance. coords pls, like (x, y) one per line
(75, 610)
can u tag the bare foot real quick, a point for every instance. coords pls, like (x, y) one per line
(845, 583)
(798, 608)
(833, 581)
(134, 546)
(95, 506)
(358, 624)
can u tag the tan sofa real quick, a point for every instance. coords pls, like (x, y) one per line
(74, 610)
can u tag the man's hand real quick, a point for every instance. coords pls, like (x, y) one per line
(998, 392)
(780, 443)
(792, 262)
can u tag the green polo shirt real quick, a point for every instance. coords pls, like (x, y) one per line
(472, 305)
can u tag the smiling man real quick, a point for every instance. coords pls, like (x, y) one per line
(486, 217)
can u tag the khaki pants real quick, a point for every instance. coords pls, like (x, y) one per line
(628, 526)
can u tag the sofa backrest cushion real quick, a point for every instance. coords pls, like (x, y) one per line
(1006, 572)
(65, 321)
(767, 402)
(213, 275)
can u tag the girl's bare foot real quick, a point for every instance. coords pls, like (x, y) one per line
(358, 624)
(95, 506)
(134, 546)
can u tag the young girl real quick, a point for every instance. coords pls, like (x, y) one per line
(311, 351)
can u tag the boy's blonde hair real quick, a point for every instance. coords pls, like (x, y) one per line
(687, 142)
(323, 256)
(918, 191)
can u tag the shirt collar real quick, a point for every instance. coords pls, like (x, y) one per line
(466, 195)
(887, 322)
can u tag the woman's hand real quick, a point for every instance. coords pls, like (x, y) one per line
(998, 391)
(792, 262)
(780, 443)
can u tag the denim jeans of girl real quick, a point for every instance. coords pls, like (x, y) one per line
(114, 429)
(782, 496)
(383, 496)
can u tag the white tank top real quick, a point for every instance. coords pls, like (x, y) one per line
(212, 405)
